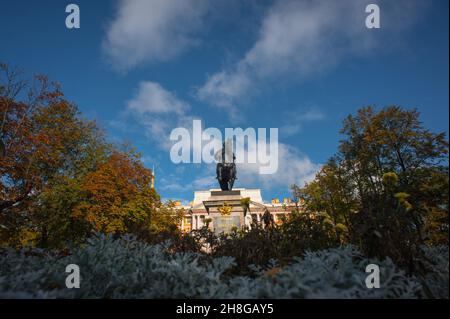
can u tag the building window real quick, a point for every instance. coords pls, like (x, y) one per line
(188, 220)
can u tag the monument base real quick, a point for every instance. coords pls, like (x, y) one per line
(224, 220)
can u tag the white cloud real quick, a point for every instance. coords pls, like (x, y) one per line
(303, 38)
(203, 177)
(205, 180)
(295, 120)
(171, 186)
(158, 111)
(294, 167)
(223, 88)
(153, 98)
(313, 114)
(152, 31)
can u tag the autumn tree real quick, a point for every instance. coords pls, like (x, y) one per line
(44, 141)
(118, 198)
(331, 198)
(388, 184)
(60, 180)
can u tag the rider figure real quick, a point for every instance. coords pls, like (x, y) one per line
(226, 170)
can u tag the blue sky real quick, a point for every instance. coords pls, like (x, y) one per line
(299, 66)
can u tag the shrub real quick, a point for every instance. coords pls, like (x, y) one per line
(435, 280)
(127, 268)
(298, 233)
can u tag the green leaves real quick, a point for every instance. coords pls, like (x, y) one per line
(61, 180)
(393, 173)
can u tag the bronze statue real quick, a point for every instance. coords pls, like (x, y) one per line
(226, 170)
(268, 219)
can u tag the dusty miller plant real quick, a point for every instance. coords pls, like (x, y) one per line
(127, 268)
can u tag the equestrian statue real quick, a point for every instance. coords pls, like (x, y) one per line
(226, 169)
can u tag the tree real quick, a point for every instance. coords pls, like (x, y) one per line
(45, 141)
(388, 184)
(117, 194)
(60, 180)
(245, 204)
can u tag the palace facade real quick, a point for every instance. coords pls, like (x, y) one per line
(222, 210)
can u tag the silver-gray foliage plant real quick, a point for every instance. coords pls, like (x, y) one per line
(127, 268)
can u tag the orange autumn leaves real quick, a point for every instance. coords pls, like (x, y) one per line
(43, 138)
(32, 150)
(117, 194)
(60, 180)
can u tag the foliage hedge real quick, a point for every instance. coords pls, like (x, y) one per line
(127, 268)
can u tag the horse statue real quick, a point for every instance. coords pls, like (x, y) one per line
(225, 169)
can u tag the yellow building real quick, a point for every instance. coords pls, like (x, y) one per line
(207, 207)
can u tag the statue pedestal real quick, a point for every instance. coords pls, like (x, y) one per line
(225, 222)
